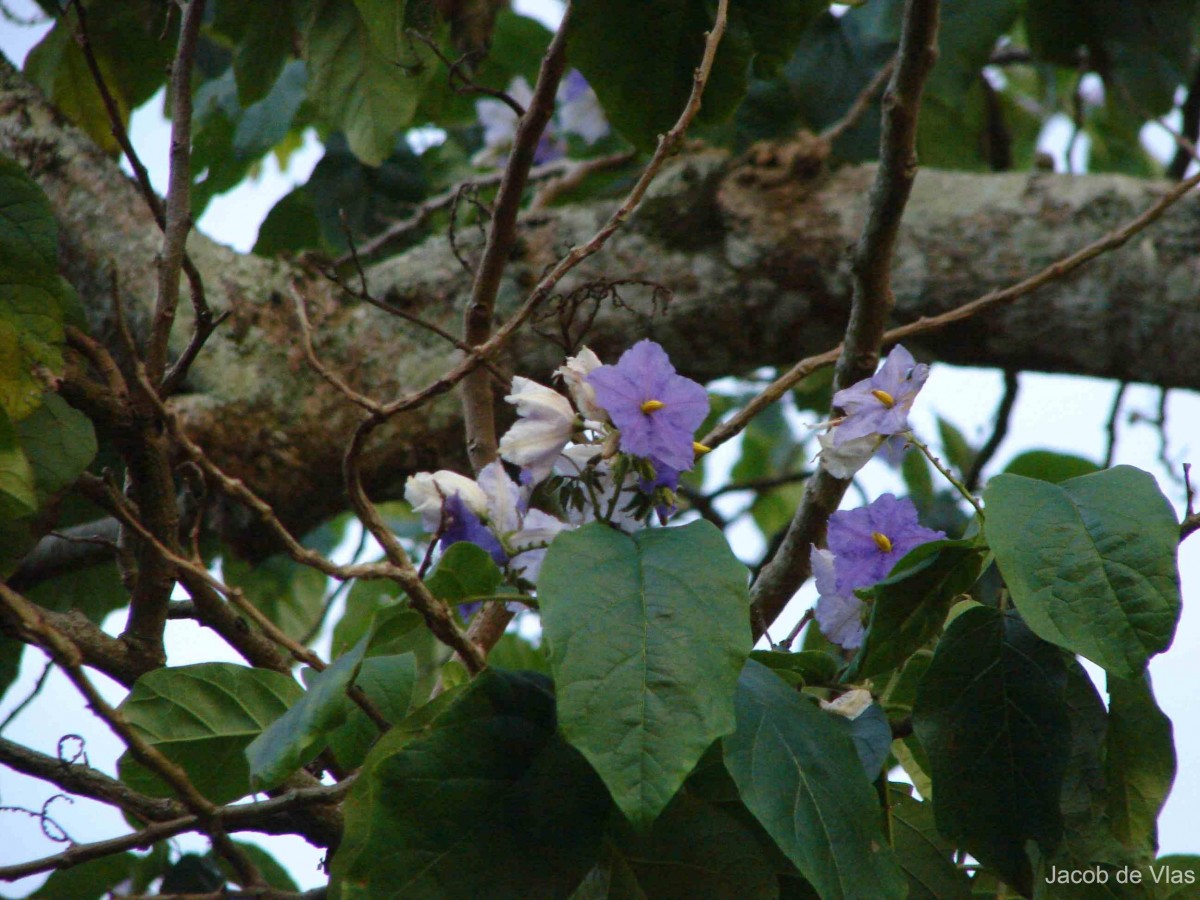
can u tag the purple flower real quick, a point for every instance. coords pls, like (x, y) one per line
(657, 410)
(459, 523)
(868, 541)
(838, 613)
(880, 404)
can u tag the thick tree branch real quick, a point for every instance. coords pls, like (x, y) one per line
(754, 256)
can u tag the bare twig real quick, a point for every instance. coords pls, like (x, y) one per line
(465, 84)
(1110, 427)
(576, 175)
(872, 301)
(860, 105)
(177, 214)
(478, 414)
(1003, 417)
(239, 817)
(29, 698)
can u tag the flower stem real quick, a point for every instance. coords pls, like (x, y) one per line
(949, 476)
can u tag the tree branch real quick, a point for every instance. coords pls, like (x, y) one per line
(871, 268)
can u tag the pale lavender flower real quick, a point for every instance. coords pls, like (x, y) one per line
(545, 425)
(499, 121)
(868, 541)
(656, 410)
(838, 613)
(524, 533)
(579, 110)
(845, 459)
(880, 404)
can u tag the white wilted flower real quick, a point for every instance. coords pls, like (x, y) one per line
(845, 460)
(851, 704)
(574, 373)
(579, 110)
(427, 491)
(545, 426)
(525, 533)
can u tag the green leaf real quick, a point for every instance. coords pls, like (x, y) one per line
(958, 451)
(18, 491)
(695, 849)
(925, 856)
(388, 682)
(33, 298)
(1142, 48)
(60, 443)
(992, 701)
(1179, 874)
(1139, 762)
(514, 652)
(262, 36)
(465, 570)
(449, 804)
(1046, 465)
(646, 636)
(808, 667)
(201, 718)
(133, 41)
(273, 873)
(911, 604)
(92, 880)
(302, 732)
(290, 226)
(871, 735)
(370, 95)
(800, 776)
(918, 476)
(645, 85)
(290, 594)
(1090, 562)
(193, 874)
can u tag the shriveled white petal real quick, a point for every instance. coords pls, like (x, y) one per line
(426, 491)
(574, 373)
(851, 704)
(846, 460)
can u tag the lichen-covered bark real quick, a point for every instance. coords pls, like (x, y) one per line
(753, 251)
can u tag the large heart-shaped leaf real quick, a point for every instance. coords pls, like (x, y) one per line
(201, 718)
(990, 713)
(477, 796)
(1139, 762)
(1090, 562)
(646, 635)
(800, 776)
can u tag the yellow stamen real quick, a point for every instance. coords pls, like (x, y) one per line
(651, 405)
(884, 397)
(882, 541)
(699, 449)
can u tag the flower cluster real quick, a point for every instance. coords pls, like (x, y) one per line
(614, 450)
(577, 113)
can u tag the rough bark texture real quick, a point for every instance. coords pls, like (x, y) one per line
(753, 250)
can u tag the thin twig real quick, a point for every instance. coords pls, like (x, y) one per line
(177, 213)
(477, 395)
(1110, 427)
(576, 175)
(786, 643)
(466, 85)
(1003, 417)
(30, 697)
(860, 105)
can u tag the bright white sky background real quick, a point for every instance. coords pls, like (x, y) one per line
(1054, 412)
